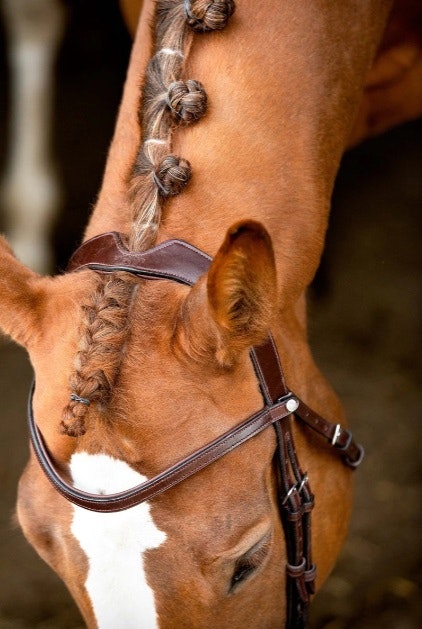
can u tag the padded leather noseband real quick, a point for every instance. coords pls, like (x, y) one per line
(181, 262)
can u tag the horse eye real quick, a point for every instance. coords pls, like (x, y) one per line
(248, 563)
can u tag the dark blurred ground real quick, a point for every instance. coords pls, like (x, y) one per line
(365, 318)
(366, 335)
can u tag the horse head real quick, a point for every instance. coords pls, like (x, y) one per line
(197, 553)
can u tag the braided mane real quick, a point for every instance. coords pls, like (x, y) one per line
(168, 101)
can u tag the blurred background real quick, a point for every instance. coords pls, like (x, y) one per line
(365, 316)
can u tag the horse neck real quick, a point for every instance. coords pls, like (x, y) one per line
(283, 84)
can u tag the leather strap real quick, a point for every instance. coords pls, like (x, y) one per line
(170, 477)
(296, 504)
(296, 500)
(268, 369)
(174, 259)
(351, 452)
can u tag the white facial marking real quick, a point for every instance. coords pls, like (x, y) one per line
(114, 544)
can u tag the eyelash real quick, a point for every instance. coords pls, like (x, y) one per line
(247, 564)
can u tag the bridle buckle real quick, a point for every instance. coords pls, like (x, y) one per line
(358, 461)
(296, 488)
(337, 432)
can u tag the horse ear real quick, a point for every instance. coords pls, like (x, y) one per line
(20, 294)
(231, 309)
(242, 288)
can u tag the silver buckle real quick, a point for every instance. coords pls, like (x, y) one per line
(336, 435)
(297, 488)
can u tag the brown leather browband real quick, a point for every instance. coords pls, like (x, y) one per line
(173, 260)
(181, 262)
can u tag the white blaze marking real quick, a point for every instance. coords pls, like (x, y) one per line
(114, 544)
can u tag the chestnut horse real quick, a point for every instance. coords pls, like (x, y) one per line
(133, 375)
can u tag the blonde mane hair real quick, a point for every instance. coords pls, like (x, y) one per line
(167, 101)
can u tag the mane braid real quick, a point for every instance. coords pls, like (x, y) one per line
(157, 121)
(167, 101)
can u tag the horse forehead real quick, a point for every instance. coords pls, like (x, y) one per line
(161, 389)
(162, 425)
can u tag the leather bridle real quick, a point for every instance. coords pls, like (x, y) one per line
(181, 262)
